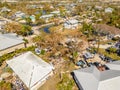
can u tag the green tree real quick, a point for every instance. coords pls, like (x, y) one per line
(37, 17)
(28, 21)
(112, 50)
(25, 30)
(87, 29)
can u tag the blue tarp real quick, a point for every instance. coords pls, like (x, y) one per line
(46, 29)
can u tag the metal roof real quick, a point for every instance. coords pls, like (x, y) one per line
(72, 21)
(9, 40)
(92, 79)
(47, 16)
(30, 68)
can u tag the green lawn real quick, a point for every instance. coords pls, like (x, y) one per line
(112, 55)
(11, 55)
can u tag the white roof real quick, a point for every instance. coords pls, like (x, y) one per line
(19, 14)
(114, 65)
(30, 68)
(4, 9)
(55, 12)
(2, 22)
(46, 16)
(92, 79)
(109, 9)
(9, 40)
(72, 21)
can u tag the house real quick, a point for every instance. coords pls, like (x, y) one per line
(46, 17)
(55, 13)
(110, 1)
(10, 42)
(99, 8)
(5, 9)
(117, 36)
(80, 1)
(31, 69)
(19, 14)
(99, 20)
(71, 24)
(108, 10)
(31, 6)
(9, 1)
(93, 78)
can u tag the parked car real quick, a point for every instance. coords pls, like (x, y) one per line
(108, 59)
(96, 64)
(88, 55)
(90, 64)
(31, 32)
(109, 43)
(118, 52)
(102, 57)
(81, 63)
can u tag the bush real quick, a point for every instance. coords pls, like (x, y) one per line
(113, 50)
(5, 85)
(114, 56)
(42, 52)
(8, 69)
(12, 54)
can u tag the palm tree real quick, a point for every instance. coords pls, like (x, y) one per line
(88, 28)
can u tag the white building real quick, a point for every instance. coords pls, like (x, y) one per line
(10, 42)
(19, 14)
(47, 17)
(80, 1)
(71, 24)
(31, 69)
(5, 9)
(56, 12)
(108, 10)
(93, 79)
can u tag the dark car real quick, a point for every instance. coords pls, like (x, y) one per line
(102, 57)
(96, 64)
(31, 32)
(118, 52)
(90, 64)
(108, 59)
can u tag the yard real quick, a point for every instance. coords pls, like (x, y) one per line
(62, 79)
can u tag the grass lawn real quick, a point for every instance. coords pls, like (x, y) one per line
(11, 55)
(112, 55)
(61, 81)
